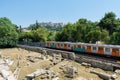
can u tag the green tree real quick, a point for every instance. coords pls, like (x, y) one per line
(40, 34)
(8, 34)
(109, 22)
(83, 26)
(104, 37)
(93, 36)
(51, 36)
(115, 38)
(67, 33)
(26, 36)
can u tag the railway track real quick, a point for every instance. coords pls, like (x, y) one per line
(105, 59)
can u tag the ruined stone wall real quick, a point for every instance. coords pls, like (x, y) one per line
(64, 54)
(70, 55)
(97, 64)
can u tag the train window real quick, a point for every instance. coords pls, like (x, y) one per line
(88, 47)
(79, 46)
(74, 46)
(94, 48)
(116, 50)
(100, 48)
(107, 49)
(83, 47)
(68, 45)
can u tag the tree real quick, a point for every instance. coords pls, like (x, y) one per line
(51, 36)
(26, 37)
(67, 33)
(8, 34)
(40, 34)
(58, 36)
(104, 37)
(115, 38)
(93, 36)
(109, 22)
(83, 26)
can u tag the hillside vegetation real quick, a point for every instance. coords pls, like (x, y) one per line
(107, 31)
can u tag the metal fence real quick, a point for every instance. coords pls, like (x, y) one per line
(37, 44)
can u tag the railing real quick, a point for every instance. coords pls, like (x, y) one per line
(37, 44)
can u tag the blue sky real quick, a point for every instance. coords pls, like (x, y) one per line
(26, 12)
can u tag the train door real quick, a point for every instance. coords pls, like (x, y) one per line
(107, 50)
(88, 48)
(65, 46)
(69, 46)
(100, 50)
(58, 45)
(94, 49)
(115, 52)
(48, 44)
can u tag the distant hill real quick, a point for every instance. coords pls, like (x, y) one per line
(48, 25)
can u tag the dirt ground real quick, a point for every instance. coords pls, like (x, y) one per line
(19, 56)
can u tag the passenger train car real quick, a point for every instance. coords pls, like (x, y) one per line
(110, 50)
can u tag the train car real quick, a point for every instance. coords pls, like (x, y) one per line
(51, 44)
(68, 46)
(80, 47)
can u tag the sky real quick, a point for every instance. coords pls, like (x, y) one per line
(26, 12)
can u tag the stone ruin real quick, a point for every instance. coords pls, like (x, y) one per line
(5, 72)
(56, 58)
(69, 70)
(104, 76)
(42, 73)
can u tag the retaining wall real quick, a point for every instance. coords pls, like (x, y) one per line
(97, 64)
(71, 55)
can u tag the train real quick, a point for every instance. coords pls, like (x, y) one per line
(101, 49)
